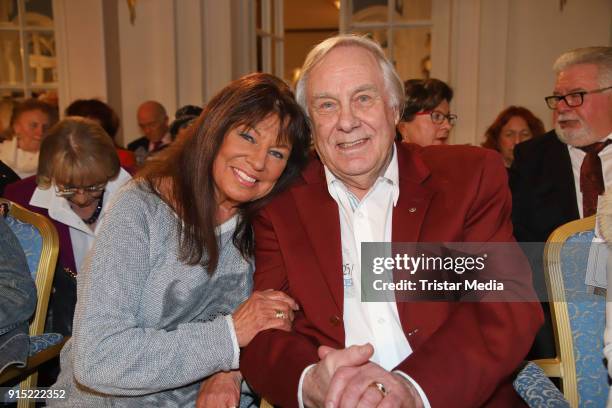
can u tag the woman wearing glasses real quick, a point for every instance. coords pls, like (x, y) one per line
(77, 177)
(512, 126)
(426, 119)
(164, 301)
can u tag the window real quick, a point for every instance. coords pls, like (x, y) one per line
(402, 27)
(28, 62)
(269, 33)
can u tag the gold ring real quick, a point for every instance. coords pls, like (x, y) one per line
(380, 387)
(280, 314)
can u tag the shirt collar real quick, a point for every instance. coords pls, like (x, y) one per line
(580, 150)
(390, 175)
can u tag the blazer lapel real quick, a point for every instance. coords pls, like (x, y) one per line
(320, 218)
(408, 217)
(414, 197)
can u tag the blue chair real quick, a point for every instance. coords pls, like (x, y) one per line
(537, 390)
(39, 240)
(578, 317)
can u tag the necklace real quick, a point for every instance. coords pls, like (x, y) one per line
(96, 213)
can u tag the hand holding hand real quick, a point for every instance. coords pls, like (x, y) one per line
(318, 378)
(220, 390)
(370, 385)
(269, 309)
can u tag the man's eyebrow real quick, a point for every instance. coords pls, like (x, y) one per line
(323, 95)
(367, 87)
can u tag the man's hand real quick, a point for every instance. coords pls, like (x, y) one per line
(318, 378)
(356, 386)
(220, 390)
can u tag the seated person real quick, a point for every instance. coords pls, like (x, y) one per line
(426, 119)
(78, 176)
(17, 300)
(512, 126)
(183, 121)
(345, 351)
(106, 117)
(165, 299)
(30, 122)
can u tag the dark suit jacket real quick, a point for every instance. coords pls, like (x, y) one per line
(464, 354)
(543, 189)
(543, 199)
(7, 176)
(63, 297)
(140, 142)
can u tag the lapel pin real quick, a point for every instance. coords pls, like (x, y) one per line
(412, 209)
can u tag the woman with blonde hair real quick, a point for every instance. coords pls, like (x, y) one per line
(78, 175)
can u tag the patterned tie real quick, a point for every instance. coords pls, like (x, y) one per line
(591, 177)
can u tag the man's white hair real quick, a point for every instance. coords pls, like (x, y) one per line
(394, 86)
(598, 56)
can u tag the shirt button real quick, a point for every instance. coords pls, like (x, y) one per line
(334, 320)
(381, 320)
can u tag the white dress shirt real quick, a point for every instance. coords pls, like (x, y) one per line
(577, 157)
(81, 235)
(20, 161)
(369, 220)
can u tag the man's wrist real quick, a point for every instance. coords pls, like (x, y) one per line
(307, 387)
(410, 386)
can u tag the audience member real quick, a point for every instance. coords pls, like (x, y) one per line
(184, 118)
(164, 301)
(79, 173)
(558, 177)
(426, 118)
(17, 300)
(512, 126)
(363, 187)
(153, 122)
(106, 117)
(30, 121)
(549, 179)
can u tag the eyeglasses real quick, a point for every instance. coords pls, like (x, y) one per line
(438, 117)
(573, 99)
(68, 192)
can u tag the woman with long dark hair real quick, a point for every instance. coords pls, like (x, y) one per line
(165, 300)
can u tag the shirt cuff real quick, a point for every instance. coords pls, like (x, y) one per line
(299, 393)
(417, 387)
(235, 346)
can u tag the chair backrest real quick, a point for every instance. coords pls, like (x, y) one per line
(578, 316)
(38, 238)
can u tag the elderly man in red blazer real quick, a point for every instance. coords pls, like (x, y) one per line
(363, 187)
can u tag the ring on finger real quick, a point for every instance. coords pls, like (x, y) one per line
(380, 387)
(279, 314)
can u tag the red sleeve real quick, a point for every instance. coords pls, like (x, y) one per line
(273, 361)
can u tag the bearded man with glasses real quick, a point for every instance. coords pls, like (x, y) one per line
(558, 177)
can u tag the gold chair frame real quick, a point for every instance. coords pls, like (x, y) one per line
(564, 365)
(44, 283)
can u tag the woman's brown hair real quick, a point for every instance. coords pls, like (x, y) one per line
(76, 152)
(188, 163)
(493, 132)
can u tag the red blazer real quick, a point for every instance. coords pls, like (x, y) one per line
(464, 354)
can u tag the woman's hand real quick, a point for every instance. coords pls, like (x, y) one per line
(220, 390)
(269, 309)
